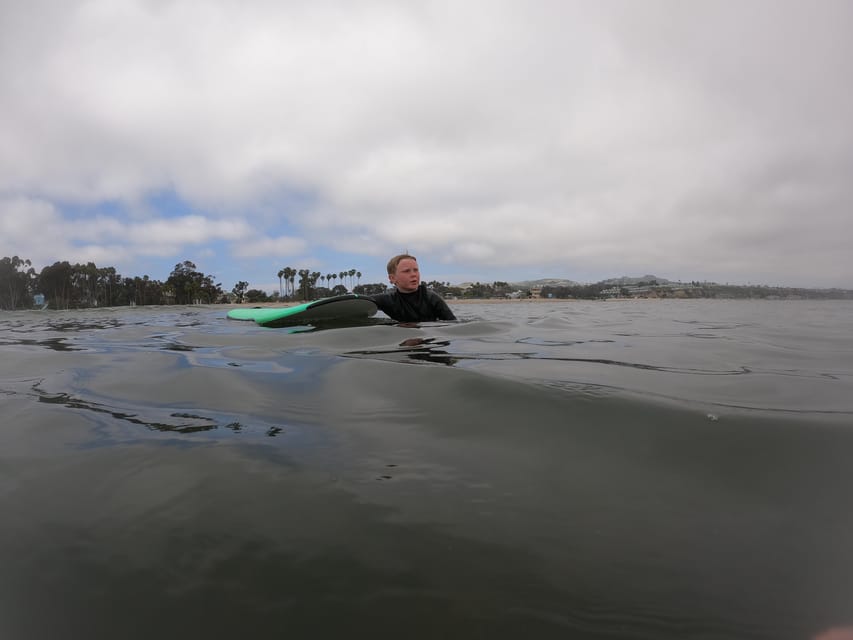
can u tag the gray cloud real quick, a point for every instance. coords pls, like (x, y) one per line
(702, 139)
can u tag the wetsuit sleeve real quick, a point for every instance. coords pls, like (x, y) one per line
(442, 311)
(385, 303)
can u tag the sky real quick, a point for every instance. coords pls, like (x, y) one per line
(493, 139)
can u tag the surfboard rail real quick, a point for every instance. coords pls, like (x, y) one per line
(350, 306)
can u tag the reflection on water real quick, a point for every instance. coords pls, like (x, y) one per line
(553, 470)
(55, 344)
(428, 350)
(155, 418)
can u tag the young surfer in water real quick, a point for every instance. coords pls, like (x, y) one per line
(410, 300)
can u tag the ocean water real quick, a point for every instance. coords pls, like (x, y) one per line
(636, 469)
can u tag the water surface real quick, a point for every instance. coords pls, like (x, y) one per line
(638, 469)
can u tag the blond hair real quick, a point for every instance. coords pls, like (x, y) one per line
(393, 262)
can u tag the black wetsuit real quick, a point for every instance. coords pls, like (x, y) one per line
(421, 305)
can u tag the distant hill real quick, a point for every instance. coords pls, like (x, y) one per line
(544, 282)
(665, 288)
(629, 280)
(564, 282)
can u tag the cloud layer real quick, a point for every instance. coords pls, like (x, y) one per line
(577, 139)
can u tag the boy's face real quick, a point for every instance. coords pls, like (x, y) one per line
(407, 277)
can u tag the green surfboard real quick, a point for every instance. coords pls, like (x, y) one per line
(337, 309)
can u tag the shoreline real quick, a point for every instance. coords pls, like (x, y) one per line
(450, 301)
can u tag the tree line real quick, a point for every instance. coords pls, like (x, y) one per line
(304, 284)
(308, 287)
(76, 286)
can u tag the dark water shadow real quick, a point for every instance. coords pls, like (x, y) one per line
(184, 422)
(177, 346)
(431, 350)
(81, 325)
(412, 351)
(53, 344)
(326, 325)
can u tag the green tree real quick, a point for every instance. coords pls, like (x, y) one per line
(370, 289)
(188, 285)
(108, 286)
(55, 282)
(285, 275)
(438, 287)
(480, 290)
(256, 295)
(501, 289)
(289, 277)
(145, 291)
(239, 290)
(304, 283)
(17, 278)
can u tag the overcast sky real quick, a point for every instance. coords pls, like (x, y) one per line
(495, 140)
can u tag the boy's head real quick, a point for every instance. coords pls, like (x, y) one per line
(403, 273)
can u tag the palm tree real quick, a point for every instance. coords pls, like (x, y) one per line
(351, 275)
(280, 275)
(289, 273)
(303, 282)
(343, 275)
(358, 277)
(322, 278)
